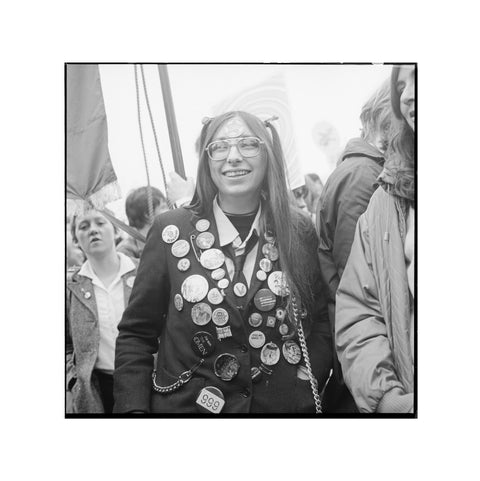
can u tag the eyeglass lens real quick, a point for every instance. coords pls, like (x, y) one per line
(247, 146)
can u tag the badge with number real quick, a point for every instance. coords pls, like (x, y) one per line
(264, 300)
(202, 225)
(170, 234)
(226, 366)
(215, 296)
(205, 240)
(256, 339)
(277, 282)
(291, 352)
(270, 354)
(178, 301)
(211, 400)
(220, 316)
(212, 259)
(201, 314)
(194, 288)
(180, 248)
(183, 264)
(203, 344)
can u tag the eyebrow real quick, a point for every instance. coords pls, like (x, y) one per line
(237, 137)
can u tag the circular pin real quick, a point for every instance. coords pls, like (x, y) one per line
(283, 329)
(180, 248)
(280, 313)
(291, 352)
(240, 289)
(212, 259)
(87, 295)
(261, 275)
(178, 301)
(215, 296)
(201, 314)
(205, 240)
(255, 319)
(264, 300)
(218, 274)
(255, 374)
(269, 237)
(270, 354)
(203, 344)
(223, 283)
(202, 225)
(183, 264)
(273, 253)
(170, 234)
(256, 339)
(265, 264)
(194, 288)
(130, 281)
(277, 282)
(226, 367)
(220, 316)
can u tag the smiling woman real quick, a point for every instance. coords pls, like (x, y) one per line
(231, 284)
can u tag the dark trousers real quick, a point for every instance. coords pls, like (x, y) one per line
(106, 390)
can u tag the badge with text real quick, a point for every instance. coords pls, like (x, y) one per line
(264, 300)
(170, 234)
(203, 344)
(211, 400)
(256, 339)
(194, 288)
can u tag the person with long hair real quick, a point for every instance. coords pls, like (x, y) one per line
(97, 292)
(230, 287)
(375, 298)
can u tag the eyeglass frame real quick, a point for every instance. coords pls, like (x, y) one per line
(230, 144)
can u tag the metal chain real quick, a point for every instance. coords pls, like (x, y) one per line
(182, 379)
(149, 189)
(170, 205)
(303, 345)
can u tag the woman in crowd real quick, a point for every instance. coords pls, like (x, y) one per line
(97, 293)
(232, 287)
(374, 314)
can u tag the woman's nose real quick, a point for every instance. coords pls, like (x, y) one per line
(408, 94)
(234, 154)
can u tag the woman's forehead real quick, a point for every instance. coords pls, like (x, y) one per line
(234, 127)
(91, 215)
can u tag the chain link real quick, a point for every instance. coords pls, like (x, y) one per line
(303, 345)
(182, 379)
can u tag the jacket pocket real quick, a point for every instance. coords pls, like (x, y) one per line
(304, 401)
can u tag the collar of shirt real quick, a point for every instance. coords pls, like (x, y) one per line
(226, 230)
(126, 265)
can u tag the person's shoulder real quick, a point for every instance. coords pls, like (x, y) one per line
(179, 215)
(72, 273)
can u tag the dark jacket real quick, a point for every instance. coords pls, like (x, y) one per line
(152, 314)
(344, 198)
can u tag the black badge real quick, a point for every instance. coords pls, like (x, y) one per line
(203, 344)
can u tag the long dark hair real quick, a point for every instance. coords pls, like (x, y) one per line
(401, 152)
(278, 211)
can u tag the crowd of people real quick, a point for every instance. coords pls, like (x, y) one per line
(250, 297)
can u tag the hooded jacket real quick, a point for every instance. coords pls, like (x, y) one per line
(373, 308)
(344, 198)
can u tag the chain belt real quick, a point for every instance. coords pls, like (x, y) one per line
(182, 379)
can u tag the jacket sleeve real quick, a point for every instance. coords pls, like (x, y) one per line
(361, 338)
(140, 327)
(71, 372)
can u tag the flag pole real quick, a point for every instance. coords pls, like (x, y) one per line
(171, 121)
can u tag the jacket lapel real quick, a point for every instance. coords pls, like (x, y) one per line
(82, 289)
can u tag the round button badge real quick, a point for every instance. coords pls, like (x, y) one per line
(205, 240)
(291, 352)
(264, 300)
(215, 296)
(212, 259)
(220, 316)
(183, 264)
(256, 339)
(203, 344)
(277, 282)
(226, 366)
(265, 264)
(201, 314)
(218, 274)
(255, 319)
(223, 283)
(180, 248)
(240, 289)
(194, 288)
(202, 225)
(178, 301)
(270, 354)
(170, 234)
(261, 275)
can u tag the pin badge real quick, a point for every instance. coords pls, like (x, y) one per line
(87, 295)
(218, 274)
(201, 314)
(269, 237)
(220, 316)
(205, 240)
(265, 264)
(255, 374)
(256, 339)
(223, 332)
(261, 275)
(291, 352)
(226, 366)
(264, 300)
(130, 281)
(180, 248)
(280, 313)
(272, 253)
(255, 319)
(270, 354)
(194, 288)
(202, 225)
(203, 344)
(170, 234)
(223, 283)
(283, 329)
(212, 259)
(210, 400)
(178, 301)
(215, 296)
(277, 282)
(240, 289)
(271, 321)
(183, 264)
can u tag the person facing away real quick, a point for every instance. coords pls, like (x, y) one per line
(136, 208)
(344, 198)
(375, 299)
(232, 287)
(97, 293)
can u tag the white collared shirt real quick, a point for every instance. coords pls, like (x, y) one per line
(110, 306)
(227, 234)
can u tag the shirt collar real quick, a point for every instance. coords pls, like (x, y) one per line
(226, 230)
(126, 265)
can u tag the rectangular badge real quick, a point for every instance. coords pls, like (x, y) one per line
(210, 401)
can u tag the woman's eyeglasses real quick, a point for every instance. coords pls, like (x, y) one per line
(247, 146)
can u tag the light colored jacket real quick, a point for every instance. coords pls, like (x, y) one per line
(373, 311)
